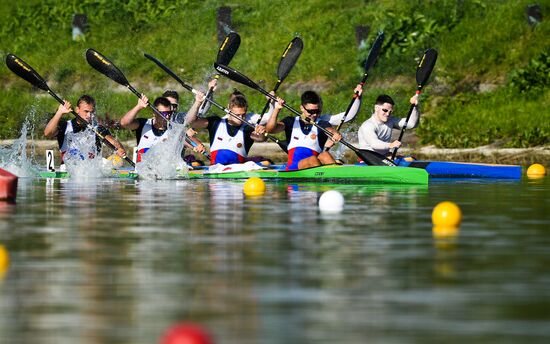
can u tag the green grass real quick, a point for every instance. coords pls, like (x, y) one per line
(481, 44)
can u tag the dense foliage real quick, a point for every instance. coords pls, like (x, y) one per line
(490, 84)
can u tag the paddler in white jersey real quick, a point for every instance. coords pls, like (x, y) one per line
(230, 138)
(305, 141)
(375, 133)
(60, 128)
(153, 130)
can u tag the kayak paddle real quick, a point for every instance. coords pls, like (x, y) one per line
(227, 50)
(369, 62)
(288, 60)
(213, 102)
(369, 157)
(423, 72)
(26, 72)
(107, 68)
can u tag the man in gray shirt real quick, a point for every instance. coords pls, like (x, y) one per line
(375, 133)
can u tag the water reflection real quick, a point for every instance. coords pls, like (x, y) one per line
(118, 261)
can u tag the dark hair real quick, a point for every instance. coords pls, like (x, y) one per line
(162, 101)
(86, 99)
(311, 97)
(171, 94)
(384, 98)
(237, 99)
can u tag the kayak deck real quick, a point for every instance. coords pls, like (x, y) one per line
(445, 169)
(123, 174)
(342, 173)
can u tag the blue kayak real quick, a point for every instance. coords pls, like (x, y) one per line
(445, 169)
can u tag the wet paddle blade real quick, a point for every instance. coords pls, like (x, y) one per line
(426, 66)
(289, 58)
(105, 67)
(373, 158)
(237, 77)
(26, 72)
(228, 48)
(374, 51)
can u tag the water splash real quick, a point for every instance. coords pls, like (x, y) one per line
(164, 159)
(82, 160)
(14, 158)
(349, 134)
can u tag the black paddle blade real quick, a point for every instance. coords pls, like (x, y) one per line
(289, 58)
(425, 67)
(374, 158)
(26, 72)
(105, 67)
(228, 48)
(237, 77)
(374, 51)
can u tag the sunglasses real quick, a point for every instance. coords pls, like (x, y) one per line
(174, 106)
(386, 110)
(313, 111)
(166, 113)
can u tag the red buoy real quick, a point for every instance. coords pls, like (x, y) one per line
(8, 186)
(186, 333)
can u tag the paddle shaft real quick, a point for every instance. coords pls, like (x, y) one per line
(423, 71)
(418, 91)
(369, 62)
(266, 106)
(208, 95)
(355, 96)
(88, 125)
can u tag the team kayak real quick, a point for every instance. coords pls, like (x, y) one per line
(341, 173)
(328, 173)
(445, 169)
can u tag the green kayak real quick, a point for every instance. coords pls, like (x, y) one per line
(321, 174)
(125, 174)
(340, 173)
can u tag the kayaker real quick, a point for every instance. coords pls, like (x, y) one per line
(375, 133)
(305, 141)
(63, 129)
(153, 130)
(230, 139)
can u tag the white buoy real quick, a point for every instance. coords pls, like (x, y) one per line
(331, 201)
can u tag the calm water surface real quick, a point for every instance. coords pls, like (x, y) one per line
(114, 261)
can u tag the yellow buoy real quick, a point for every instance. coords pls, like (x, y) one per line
(445, 232)
(4, 260)
(446, 214)
(536, 171)
(254, 186)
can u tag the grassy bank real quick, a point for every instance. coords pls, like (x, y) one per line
(491, 83)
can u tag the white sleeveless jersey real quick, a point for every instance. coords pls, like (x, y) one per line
(65, 145)
(148, 138)
(223, 140)
(299, 139)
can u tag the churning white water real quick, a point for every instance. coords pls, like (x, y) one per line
(163, 160)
